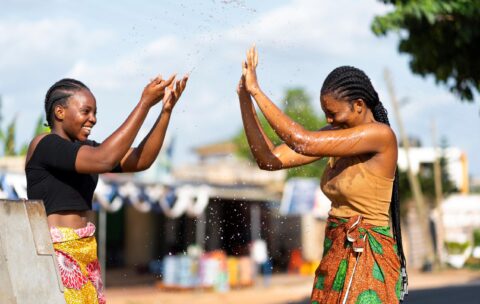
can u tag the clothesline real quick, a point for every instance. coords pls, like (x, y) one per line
(173, 201)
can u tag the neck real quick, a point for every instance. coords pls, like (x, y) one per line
(61, 133)
(369, 118)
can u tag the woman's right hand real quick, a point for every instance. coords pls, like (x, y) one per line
(155, 90)
(241, 89)
(173, 93)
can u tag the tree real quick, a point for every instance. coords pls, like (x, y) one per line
(297, 105)
(40, 128)
(442, 38)
(9, 140)
(7, 137)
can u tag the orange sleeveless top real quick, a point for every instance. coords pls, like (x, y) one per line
(353, 189)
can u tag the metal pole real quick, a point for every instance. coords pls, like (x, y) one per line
(412, 177)
(200, 231)
(437, 170)
(437, 174)
(255, 222)
(102, 242)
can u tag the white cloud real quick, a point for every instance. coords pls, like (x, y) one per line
(49, 40)
(312, 25)
(161, 56)
(300, 41)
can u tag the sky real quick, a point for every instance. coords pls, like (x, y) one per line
(115, 48)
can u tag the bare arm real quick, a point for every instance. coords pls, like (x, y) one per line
(267, 156)
(367, 138)
(107, 155)
(142, 157)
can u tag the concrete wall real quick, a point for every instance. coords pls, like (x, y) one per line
(28, 268)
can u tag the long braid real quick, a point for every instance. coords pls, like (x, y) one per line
(349, 83)
(59, 93)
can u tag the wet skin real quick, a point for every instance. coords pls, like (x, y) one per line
(352, 130)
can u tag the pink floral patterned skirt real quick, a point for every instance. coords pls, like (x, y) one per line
(76, 251)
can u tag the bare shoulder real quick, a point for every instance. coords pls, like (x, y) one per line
(33, 145)
(383, 132)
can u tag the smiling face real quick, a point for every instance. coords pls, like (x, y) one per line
(339, 113)
(76, 120)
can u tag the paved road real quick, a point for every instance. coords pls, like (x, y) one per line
(425, 288)
(448, 295)
(459, 295)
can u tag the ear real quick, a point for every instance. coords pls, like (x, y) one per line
(59, 112)
(359, 105)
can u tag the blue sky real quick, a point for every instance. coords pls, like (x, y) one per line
(116, 47)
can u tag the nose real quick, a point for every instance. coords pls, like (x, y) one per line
(93, 118)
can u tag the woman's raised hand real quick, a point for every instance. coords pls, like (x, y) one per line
(155, 90)
(241, 90)
(249, 70)
(173, 93)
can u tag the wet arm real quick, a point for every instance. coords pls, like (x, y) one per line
(142, 157)
(367, 138)
(107, 155)
(267, 156)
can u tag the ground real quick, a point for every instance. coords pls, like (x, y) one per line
(294, 289)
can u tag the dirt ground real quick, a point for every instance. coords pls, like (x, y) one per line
(282, 289)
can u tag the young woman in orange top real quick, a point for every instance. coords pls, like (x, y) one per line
(362, 262)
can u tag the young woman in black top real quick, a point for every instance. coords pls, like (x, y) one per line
(62, 169)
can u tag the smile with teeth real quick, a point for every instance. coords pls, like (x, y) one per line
(88, 129)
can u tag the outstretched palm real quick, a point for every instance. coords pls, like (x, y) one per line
(249, 70)
(173, 93)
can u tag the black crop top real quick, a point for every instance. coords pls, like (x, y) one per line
(51, 176)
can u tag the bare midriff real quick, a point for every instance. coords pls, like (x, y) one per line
(70, 219)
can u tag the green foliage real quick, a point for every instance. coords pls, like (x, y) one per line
(297, 105)
(7, 137)
(9, 141)
(473, 262)
(456, 247)
(441, 37)
(241, 139)
(40, 127)
(476, 237)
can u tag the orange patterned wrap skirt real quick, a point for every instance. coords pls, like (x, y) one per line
(360, 265)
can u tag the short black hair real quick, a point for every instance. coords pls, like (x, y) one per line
(59, 93)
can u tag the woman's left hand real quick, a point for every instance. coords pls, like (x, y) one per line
(249, 70)
(173, 93)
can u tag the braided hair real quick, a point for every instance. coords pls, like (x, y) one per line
(58, 94)
(349, 83)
